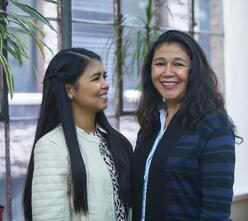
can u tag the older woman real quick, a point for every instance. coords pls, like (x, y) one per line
(183, 167)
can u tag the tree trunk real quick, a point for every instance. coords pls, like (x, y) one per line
(7, 147)
(5, 114)
(118, 61)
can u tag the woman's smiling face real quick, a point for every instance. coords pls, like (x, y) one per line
(91, 92)
(170, 72)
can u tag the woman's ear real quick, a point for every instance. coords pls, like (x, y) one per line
(69, 90)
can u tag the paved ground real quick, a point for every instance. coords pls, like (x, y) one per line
(21, 136)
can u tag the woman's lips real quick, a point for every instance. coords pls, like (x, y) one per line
(169, 85)
(104, 96)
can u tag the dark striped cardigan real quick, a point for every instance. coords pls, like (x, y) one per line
(192, 172)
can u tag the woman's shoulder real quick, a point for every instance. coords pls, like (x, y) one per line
(216, 119)
(54, 137)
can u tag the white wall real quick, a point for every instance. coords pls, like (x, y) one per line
(236, 80)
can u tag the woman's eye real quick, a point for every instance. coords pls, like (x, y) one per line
(179, 65)
(96, 79)
(159, 64)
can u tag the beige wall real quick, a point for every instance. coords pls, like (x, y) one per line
(240, 208)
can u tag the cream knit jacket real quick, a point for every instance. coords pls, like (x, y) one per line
(51, 180)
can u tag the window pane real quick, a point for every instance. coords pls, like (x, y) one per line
(208, 16)
(92, 28)
(47, 9)
(28, 77)
(92, 10)
(131, 69)
(213, 48)
(25, 77)
(98, 38)
(134, 12)
(176, 14)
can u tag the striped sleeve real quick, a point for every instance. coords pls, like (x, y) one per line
(217, 175)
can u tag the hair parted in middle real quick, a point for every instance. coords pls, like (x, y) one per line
(201, 94)
(65, 68)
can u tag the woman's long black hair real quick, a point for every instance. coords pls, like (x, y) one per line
(66, 67)
(201, 95)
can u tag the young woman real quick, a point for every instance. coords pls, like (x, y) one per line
(79, 166)
(183, 166)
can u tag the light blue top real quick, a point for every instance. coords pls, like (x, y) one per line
(163, 114)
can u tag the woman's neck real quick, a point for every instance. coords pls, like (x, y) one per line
(171, 108)
(85, 121)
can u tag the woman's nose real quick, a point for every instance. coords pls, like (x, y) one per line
(168, 70)
(104, 83)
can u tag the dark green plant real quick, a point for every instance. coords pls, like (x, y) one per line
(11, 43)
(11, 24)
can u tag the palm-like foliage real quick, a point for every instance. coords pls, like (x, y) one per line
(10, 25)
(144, 34)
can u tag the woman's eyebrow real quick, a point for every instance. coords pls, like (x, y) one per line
(159, 59)
(179, 59)
(173, 59)
(95, 75)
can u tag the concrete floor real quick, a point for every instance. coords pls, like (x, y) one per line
(21, 138)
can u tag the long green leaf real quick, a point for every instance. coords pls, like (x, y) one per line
(33, 13)
(38, 41)
(17, 50)
(8, 73)
(27, 26)
(12, 23)
(148, 12)
(15, 54)
(1, 43)
(53, 1)
(31, 29)
(17, 41)
(3, 30)
(24, 23)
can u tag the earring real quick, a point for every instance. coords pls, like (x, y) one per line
(163, 100)
(70, 97)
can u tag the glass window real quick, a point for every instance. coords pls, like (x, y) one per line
(28, 76)
(174, 14)
(92, 28)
